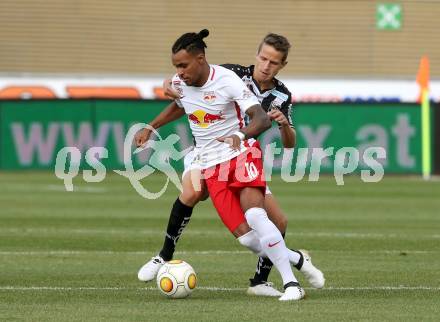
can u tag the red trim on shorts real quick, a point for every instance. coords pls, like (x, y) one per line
(240, 118)
(213, 73)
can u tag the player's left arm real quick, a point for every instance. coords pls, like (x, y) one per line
(259, 122)
(284, 119)
(288, 133)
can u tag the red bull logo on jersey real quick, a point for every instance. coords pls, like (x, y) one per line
(204, 119)
(209, 97)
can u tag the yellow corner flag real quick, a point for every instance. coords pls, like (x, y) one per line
(423, 81)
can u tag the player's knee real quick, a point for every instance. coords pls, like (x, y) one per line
(256, 217)
(191, 197)
(251, 241)
(205, 195)
(198, 195)
(193, 190)
(241, 230)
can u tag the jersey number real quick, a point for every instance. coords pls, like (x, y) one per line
(251, 170)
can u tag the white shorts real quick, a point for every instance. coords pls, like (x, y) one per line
(189, 164)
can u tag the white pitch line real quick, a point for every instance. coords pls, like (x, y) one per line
(60, 288)
(214, 289)
(86, 252)
(153, 232)
(382, 288)
(195, 252)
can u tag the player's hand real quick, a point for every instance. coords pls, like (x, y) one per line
(168, 89)
(233, 141)
(278, 116)
(142, 137)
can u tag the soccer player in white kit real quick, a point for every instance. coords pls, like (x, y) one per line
(215, 100)
(274, 97)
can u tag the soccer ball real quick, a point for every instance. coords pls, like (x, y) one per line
(176, 279)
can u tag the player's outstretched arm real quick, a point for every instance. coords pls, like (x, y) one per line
(259, 122)
(171, 113)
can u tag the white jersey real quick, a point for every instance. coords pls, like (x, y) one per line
(214, 110)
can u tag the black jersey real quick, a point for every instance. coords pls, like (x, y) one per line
(278, 97)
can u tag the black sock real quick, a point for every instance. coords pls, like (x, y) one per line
(264, 266)
(301, 259)
(179, 218)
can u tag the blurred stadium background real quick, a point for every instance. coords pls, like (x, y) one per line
(339, 39)
(79, 73)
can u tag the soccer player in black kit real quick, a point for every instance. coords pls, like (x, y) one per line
(275, 99)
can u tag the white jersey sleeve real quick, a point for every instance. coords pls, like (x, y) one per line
(178, 102)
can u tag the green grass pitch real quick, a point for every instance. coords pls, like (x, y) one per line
(74, 256)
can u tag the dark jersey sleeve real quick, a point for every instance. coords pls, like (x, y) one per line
(287, 109)
(241, 71)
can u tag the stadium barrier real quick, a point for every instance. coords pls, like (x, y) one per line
(33, 131)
